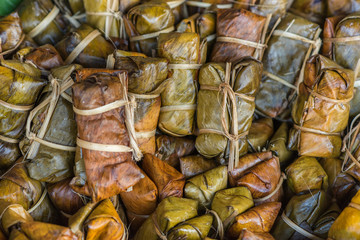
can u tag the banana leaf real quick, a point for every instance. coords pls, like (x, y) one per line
(346, 54)
(10, 31)
(79, 179)
(12, 215)
(204, 186)
(93, 55)
(171, 149)
(2, 236)
(248, 235)
(245, 80)
(253, 171)
(326, 220)
(145, 77)
(195, 164)
(278, 145)
(230, 23)
(32, 14)
(229, 203)
(284, 57)
(16, 187)
(8, 6)
(313, 10)
(180, 48)
(335, 7)
(64, 198)
(260, 133)
(321, 110)
(74, 6)
(259, 219)
(53, 164)
(346, 226)
(21, 85)
(107, 173)
(195, 228)
(167, 179)
(97, 221)
(170, 212)
(148, 18)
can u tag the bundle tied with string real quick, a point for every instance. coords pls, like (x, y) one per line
(73, 11)
(225, 108)
(106, 133)
(321, 110)
(289, 47)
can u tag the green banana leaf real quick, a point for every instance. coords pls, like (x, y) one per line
(326, 220)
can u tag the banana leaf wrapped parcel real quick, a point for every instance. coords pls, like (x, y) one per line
(290, 45)
(21, 85)
(326, 220)
(259, 134)
(321, 110)
(11, 33)
(195, 164)
(313, 10)
(12, 215)
(278, 145)
(342, 7)
(178, 100)
(42, 21)
(106, 134)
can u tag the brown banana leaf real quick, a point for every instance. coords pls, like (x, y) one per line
(259, 219)
(326, 220)
(195, 228)
(253, 171)
(346, 54)
(303, 210)
(49, 164)
(180, 48)
(260, 133)
(33, 12)
(107, 173)
(2, 236)
(16, 187)
(229, 203)
(97, 221)
(170, 212)
(12, 215)
(245, 80)
(204, 186)
(195, 164)
(10, 32)
(278, 145)
(284, 57)
(335, 7)
(148, 18)
(313, 10)
(346, 226)
(321, 110)
(248, 235)
(240, 24)
(20, 85)
(167, 179)
(79, 169)
(94, 54)
(171, 149)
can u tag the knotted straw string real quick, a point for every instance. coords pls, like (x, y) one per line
(15, 47)
(158, 231)
(349, 145)
(129, 122)
(259, 200)
(44, 23)
(51, 101)
(220, 227)
(298, 229)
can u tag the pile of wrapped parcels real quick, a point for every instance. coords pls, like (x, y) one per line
(182, 119)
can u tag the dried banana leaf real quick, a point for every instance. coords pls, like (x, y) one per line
(229, 203)
(278, 145)
(204, 186)
(313, 10)
(195, 164)
(253, 171)
(12, 215)
(107, 173)
(11, 32)
(245, 80)
(179, 97)
(248, 235)
(16, 187)
(171, 149)
(79, 169)
(321, 110)
(231, 23)
(283, 64)
(167, 179)
(93, 55)
(98, 221)
(303, 210)
(145, 19)
(8, 6)
(259, 219)
(260, 133)
(21, 85)
(170, 212)
(145, 77)
(326, 220)
(54, 123)
(335, 7)
(346, 226)
(36, 23)
(195, 228)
